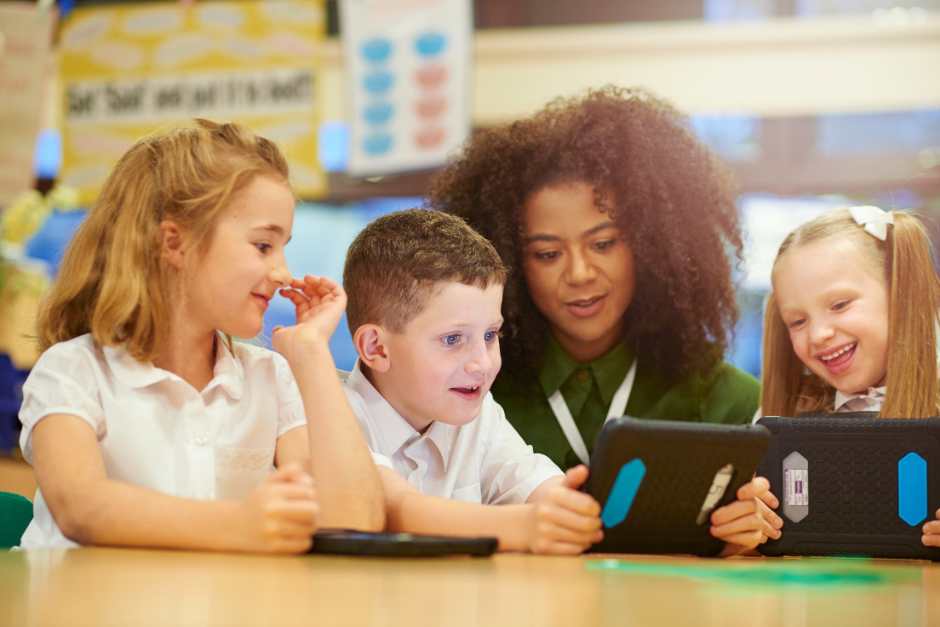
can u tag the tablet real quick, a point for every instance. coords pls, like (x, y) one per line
(658, 481)
(388, 544)
(857, 485)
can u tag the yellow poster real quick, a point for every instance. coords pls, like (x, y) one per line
(128, 71)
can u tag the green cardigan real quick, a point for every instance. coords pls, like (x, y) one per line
(727, 395)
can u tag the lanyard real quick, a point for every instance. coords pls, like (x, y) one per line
(563, 414)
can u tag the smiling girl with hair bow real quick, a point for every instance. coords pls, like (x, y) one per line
(829, 341)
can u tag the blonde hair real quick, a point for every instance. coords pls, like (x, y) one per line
(914, 293)
(112, 281)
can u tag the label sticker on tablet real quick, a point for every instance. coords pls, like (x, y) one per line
(795, 503)
(796, 487)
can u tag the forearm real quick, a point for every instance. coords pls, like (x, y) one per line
(413, 512)
(112, 513)
(347, 483)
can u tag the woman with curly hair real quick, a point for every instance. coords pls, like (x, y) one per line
(619, 226)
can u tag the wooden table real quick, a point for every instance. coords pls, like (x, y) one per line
(102, 587)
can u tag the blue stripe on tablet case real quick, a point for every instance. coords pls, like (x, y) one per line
(912, 489)
(622, 494)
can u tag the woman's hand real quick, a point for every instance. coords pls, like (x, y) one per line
(319, 303)
(747, 522)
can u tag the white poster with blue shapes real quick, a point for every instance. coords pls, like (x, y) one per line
(408, 67)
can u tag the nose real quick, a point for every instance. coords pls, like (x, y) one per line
(279, 274)
(480, 360)
(820, 332)
(580, 270)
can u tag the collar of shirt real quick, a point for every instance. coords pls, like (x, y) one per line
(392, 427)
(609, 370)
(227, 374)
(875, 394)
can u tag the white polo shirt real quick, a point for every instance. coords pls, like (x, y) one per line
(155, 430)
(484, 461)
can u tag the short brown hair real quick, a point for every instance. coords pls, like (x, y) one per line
(112, 281)
(394, 263)
(913, 308)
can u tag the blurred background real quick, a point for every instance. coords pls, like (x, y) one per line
(813, 103)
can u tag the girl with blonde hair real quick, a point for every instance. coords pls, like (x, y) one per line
(147, 426)
(829, 341)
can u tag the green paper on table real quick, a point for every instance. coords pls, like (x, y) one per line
(821, 572)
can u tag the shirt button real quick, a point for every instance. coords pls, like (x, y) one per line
(415, 482)
(583, 375)
(202, 439)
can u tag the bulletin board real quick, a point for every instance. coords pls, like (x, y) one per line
(128, 71)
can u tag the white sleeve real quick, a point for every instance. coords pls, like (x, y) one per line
(510, 470)
(62, 382)
(290, 406)
(757, 415)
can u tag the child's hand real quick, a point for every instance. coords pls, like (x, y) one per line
(280, 515)
(566, 521)
(319, 303)
(932, 532)
(748, 521)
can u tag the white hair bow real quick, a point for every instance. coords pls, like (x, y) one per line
(874, 220)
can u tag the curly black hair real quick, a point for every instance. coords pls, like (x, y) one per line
(673, 199)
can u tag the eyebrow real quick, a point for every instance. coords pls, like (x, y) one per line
(273, 228)
(544, 237)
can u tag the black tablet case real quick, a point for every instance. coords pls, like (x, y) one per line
(853, 484)
(681, 460)
(389, 544)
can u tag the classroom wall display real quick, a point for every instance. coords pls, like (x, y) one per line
(25, 38)
(408, 68)
(132, 70)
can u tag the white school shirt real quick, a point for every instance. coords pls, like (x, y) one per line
(155, 430)
(484, 461)
(872, 400)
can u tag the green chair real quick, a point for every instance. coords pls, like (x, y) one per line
(15, 513)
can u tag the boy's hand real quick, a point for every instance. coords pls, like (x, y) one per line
(565, 521)
(932, 532)
(748, 521)
(319, 303)
(280, 515)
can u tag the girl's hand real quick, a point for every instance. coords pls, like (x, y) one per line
(932, 532)
(319, 303)
(748, 521)
(280, 515)
(565, 521)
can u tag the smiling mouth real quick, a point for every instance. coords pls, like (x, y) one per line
(584, 303)
(838, 353)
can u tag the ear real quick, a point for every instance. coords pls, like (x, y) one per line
(371, 342)
(171, 234)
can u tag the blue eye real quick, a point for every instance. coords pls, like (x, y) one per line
(490, 336)
(450, 340)
(263, 247)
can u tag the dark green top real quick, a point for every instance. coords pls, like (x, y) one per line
(727, 395)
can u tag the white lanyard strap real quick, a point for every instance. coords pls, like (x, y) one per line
(617, 407)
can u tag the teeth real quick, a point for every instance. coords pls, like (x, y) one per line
(839, 352)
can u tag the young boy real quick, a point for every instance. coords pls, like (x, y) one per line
(424, 308)
(424, 301)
